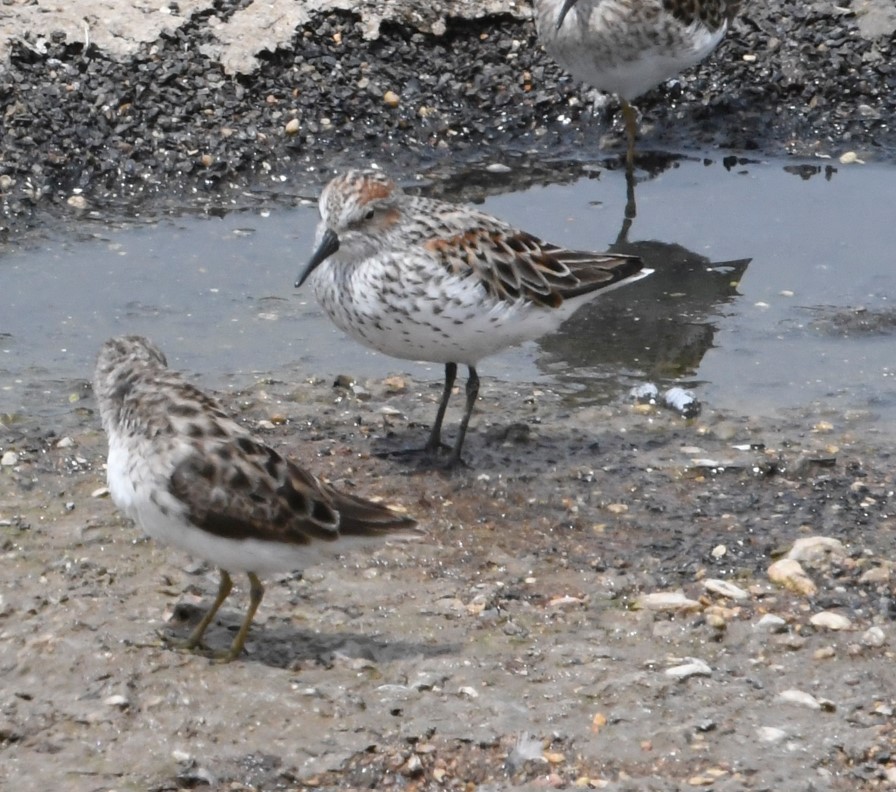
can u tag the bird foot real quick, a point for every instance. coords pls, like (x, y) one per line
(428, 458)
(189, 645)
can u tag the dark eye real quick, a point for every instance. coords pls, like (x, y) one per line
(369, 215)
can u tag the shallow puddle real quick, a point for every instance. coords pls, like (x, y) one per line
(773, 289)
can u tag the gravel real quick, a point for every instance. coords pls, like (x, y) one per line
(556, 630)
(166, 123)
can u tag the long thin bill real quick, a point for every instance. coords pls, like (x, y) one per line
(329, 244)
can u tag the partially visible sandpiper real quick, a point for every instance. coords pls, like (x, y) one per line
(627, 47)
(423, 279)
(190, 476)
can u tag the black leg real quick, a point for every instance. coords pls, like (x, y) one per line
(435, 436)
(631, 208)
(472, 393)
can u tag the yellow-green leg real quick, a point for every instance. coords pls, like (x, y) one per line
(224, 588)
(256, 592)
(630, 115)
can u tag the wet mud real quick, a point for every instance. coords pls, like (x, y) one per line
(593, 608)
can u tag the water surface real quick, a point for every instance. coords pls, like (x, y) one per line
(799, 315)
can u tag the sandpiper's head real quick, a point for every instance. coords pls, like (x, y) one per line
(356, 209)
(116, 363)
(127, 349)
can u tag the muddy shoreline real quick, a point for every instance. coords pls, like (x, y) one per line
(595, 604)
(521, 645)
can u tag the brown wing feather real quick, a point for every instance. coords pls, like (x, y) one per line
(361, 517)
(242, 489)
(711, 14)
(514, 264)
(239, 488)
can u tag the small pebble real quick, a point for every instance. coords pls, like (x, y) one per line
(682, 401)
(361, 393)
(770, 734)
(829, 620)
(789, 574)
(772, 623)
(693, 668)
(292, 126)
(667, 601)
(724, 588)
(413, 766)
(391, 98)
(646, 393)
(816, 548)
(801, 698)
(874, 637)
(9, 459)
(395, 384)
(878, 574)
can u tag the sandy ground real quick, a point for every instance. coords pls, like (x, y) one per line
(514, 647)
(524, 644)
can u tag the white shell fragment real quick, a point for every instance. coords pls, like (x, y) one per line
(667, 601)
(684, 402)
(678, 399)
(816, 548)
(694, 667)
(772, 622)
(800, 698)
(645, 394)
(724, 588)
(850, 158)
(770, 734)
(789, 573)
(874, 636)
(829, 620)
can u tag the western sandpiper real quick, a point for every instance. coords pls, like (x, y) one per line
(629, 46)
(423, 279)
(191, 476)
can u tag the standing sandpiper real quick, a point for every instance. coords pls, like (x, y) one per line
(191, 476)
(629, 46)
(423, 279)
